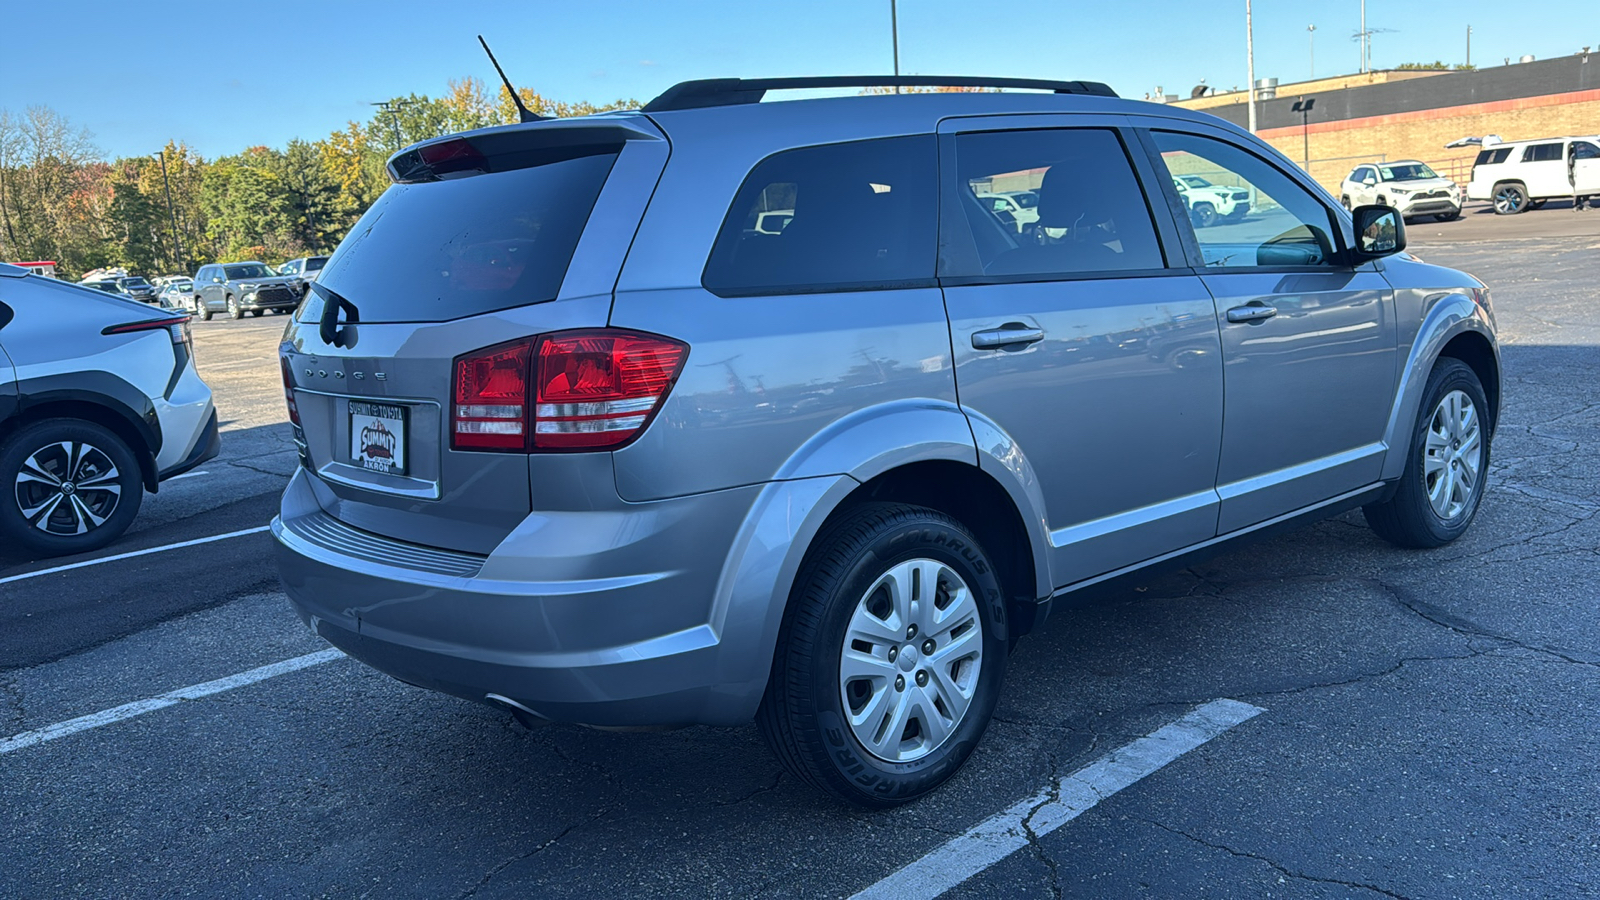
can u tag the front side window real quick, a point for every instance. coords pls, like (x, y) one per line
(836, 217)
(1541, 153)
(1090, 216)
(1282, 224)
(1585, 150)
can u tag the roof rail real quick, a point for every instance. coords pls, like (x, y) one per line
(737, 91)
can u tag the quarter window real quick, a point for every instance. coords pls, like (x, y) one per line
(851, 216)
(1541, 153)
(1089, 214)
(1270, 220)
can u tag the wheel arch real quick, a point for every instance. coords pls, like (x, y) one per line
(96, 397)
(1457, 324)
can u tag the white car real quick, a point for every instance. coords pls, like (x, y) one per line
(1211, 203)
(99, 402)
(1522, 175)
(1407, 185)
(1013, 207)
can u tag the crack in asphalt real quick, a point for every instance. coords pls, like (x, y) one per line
(1433, 614)
(1035, 846)
(489, 876)
(764, 789)
(11, 696)
(1275, 866)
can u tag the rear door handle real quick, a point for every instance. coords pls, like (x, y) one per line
(1254, 312)
(1012, 334)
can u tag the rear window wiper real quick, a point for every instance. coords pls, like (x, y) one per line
(329, 328)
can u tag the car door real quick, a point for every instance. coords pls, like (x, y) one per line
(1544, 169)
(1366, 186)
(1308, 340)
(207, 286)
(1585, 168)
(1077, 347)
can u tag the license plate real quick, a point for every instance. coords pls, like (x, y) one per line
(378, 437)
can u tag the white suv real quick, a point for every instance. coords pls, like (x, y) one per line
(1522, 175)
(1407, 185)
(1211, 203)
(99, 402)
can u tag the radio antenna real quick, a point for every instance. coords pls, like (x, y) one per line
(523, 113)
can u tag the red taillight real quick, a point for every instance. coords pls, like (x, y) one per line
(288, 390)
(597, 389)
(590, 390)
(491, 399)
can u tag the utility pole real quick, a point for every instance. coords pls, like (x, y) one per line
(1312, 31)
(177, 242)
(894, 37)
(1250, 60)
(1469, 46)
(393, 109)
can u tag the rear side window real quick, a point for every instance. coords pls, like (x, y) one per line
(1492, 157)
(464, 246)
(1541, 153)
(1091, 215)
(838, 217)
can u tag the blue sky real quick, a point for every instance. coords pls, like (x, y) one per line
(224, 76)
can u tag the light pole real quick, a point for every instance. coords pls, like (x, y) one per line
(177, 242)
(894, 37)
(393, 109)
(1250, 61)
(1311, 31)
(1303, 107)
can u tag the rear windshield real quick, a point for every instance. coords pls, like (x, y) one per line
(464, 246)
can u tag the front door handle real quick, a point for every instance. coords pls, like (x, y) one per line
(1253, 312)
(1010, 335)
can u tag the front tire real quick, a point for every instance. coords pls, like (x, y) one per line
(69, 486)
(891, 656)
(235, 311)
(257, 313)
(1447, 464)
(1204, 215)
(1449, 216)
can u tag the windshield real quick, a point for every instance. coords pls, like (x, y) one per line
(441, 250)
(1026, 199)
(248, 270)
(109, 287)
(1406, 172)
(1195, 181)
(135, 283)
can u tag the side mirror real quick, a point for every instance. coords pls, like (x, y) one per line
(1379, 232)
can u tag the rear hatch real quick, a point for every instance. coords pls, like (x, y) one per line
(487, 239)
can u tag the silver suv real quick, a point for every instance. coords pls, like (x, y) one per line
(581, 441)
(99, 402)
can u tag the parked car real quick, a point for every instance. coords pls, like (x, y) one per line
(109, 286)
(99, 402)
(302, 271)
(1407, 185)
(177, 294)
(137, 288)
(579, 443)
(239, 288)
(1208, 203)
(1521, 175)
(1013, 208)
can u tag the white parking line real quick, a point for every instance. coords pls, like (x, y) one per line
(171, 698)
(1004, 833)
(131, 554)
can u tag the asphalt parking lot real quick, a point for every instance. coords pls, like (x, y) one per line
(1396, 723)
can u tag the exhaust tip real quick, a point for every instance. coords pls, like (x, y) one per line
(525, 717)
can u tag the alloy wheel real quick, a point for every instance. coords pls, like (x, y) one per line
(911, 659)
(68, 488)
(1452, 457)
(1508, 200)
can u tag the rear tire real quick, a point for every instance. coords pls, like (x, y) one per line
(59, 500)
(878, 693)
(1509, 199)
(1447, 463)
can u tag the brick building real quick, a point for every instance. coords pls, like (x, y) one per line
(1413, 114)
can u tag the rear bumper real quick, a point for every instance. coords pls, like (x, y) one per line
(628, 633)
